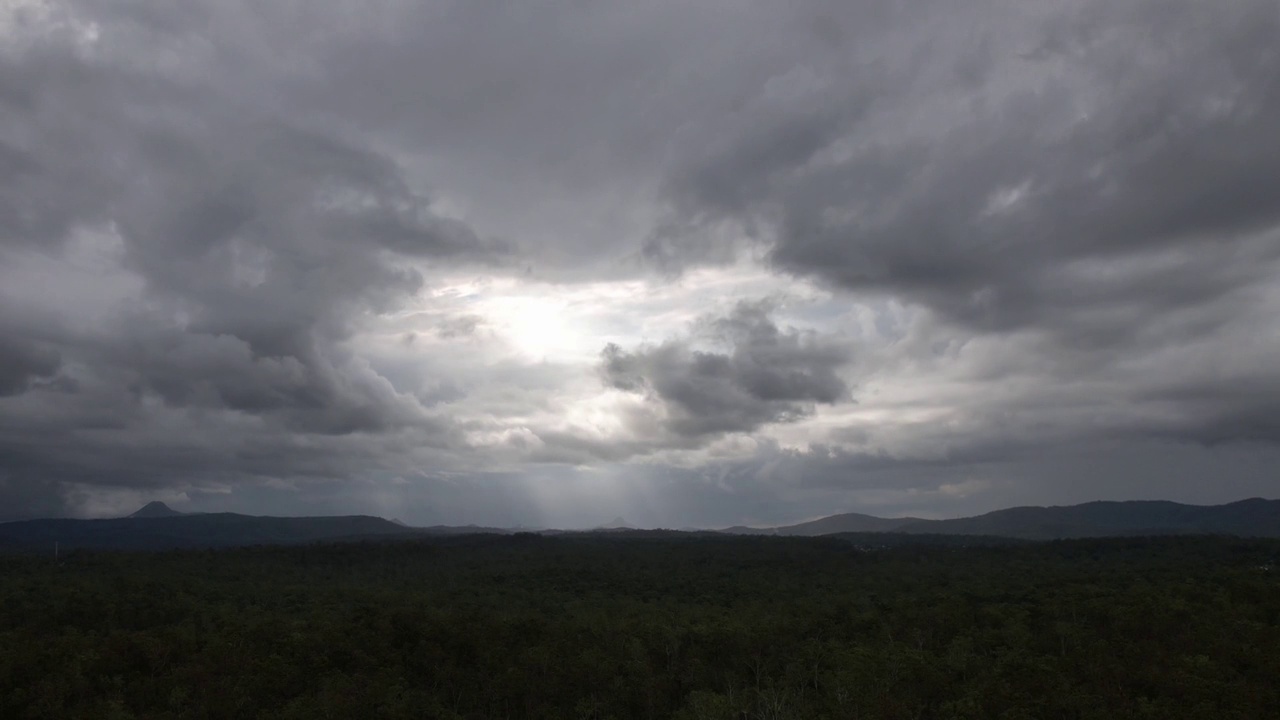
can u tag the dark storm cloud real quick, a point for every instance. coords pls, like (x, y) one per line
(22, 362)
(1150, 131)
(260, 243)
(1215, 414)
(1106, 177)
(1074, 204)
(768, 374)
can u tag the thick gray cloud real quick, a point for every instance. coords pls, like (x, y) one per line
(1107, 177)
(1145, 136)
(259, 244)
(22, 362)
(767, 375)
(1096, 175)
(259, 253)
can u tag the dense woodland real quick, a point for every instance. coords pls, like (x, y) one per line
(635, 625)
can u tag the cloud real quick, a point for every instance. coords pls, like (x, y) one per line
(767, 375)
(23, 362)
(1101, 167)
(259, 245)
(283, 253)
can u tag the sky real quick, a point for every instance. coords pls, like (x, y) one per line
(542, 263)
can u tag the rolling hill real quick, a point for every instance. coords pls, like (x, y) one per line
(830, 525)
(158, 527)
(169, 532)
(1254, 517)
(847, 522)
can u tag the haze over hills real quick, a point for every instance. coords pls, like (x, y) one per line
(618, 523)
(177, 530)
(843, 523)
(158, 527)
(1253, 517)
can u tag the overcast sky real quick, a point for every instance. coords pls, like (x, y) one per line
(547, 262)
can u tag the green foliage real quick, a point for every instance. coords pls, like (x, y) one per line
(633, 626)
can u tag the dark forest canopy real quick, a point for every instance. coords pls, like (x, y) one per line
(649, 625)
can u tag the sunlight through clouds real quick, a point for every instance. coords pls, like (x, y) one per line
(758, 263)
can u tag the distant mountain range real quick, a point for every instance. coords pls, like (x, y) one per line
(158, 530)
(1254, 518)
(158, 527)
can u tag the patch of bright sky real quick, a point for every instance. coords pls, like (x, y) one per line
(524, 364)
(26, 21)
(571, 323)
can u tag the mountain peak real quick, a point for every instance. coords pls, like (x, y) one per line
(618, 523)
(156, 509)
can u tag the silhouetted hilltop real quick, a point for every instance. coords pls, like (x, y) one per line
(843, 523)
(156, 509)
